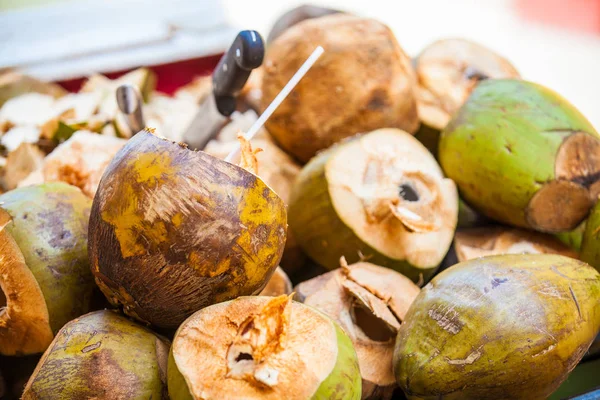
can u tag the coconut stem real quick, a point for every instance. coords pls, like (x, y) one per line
(258, 338)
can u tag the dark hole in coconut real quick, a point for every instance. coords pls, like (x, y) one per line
(373, 327)
(474, 73)
(244, 356)
(3, 301)
(408, 193)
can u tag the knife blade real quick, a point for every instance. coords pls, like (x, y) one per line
(129, 101)
(229, 77)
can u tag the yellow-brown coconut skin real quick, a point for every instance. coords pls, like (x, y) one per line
(499, 327)
(173, 231)
(362, 82)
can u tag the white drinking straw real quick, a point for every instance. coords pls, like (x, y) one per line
(278, 100)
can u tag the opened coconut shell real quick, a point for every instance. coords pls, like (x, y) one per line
(262, 348)
(46, 278)
(363, 81)
(174, 230)
(590, 245)
(380, 197)
(369, 302)
(101, 355)
(447, 71)
(495, 240)
(523, 155)
(498, 327)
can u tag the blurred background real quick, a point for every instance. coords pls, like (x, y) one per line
(553, 42)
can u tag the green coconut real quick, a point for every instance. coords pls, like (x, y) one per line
(498, 327)
(590, 245)
(523, 155)
(262, 348)
(574, 238)
(380, 197)
(101, 355)
(46, 277)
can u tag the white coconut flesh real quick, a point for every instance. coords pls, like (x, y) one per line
(369, 302)
(255, 348)
(481, 242)
(390, 191)
(447, 72)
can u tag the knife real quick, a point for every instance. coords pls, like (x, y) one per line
(229, 77)
(129, 101)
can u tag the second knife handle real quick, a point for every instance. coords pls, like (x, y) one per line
(245, 54)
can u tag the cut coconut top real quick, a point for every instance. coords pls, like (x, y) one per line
(388, 188)
(448, 70)
(369, 302)
(24, 321)
(255, 348)
(487, 241)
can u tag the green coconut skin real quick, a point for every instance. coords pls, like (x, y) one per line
(574, 238)
(590, 245)
(102, 355)
(343, 383)
(500, 327)
(323, 236)
(50, 225)
(500, 147)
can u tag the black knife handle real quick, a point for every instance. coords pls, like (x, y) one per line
(245, 54)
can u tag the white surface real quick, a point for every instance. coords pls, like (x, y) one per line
(79, 37)
(565, 61)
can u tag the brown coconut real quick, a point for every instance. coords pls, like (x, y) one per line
(362, 82)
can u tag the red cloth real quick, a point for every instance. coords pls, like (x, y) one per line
(170, 76)
(580, 15)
